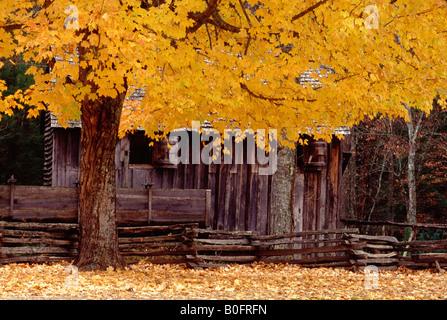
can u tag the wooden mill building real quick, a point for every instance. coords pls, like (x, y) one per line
(241, 198)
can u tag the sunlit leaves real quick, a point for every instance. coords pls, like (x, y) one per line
(240, 65)
(256, 281)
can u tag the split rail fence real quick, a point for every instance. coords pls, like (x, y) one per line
(37, 242)
(201, 248)
(411, 253)
(179, 243)
(167, 226)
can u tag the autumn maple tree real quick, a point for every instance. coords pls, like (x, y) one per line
(230, 62)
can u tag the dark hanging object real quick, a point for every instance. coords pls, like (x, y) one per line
(316, 155)
(160, 153)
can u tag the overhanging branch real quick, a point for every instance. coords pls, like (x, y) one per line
(271, 99)
(310, 9)
(17, 26)
(205, 17)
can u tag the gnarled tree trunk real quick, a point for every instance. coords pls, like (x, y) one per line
(97, 188)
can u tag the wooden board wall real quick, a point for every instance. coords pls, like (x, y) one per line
(133, 206)
(66, 157)
(240, 198)
(316, 193)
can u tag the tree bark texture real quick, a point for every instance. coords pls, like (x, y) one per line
(413, 132)
(98, 248)
(411, 215)
(283, 183)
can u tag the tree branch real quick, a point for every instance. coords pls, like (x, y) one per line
(222, 24)
(271, 99)
(245, 13)
(203, 17)
(17, 26)
(310, 9)
(12, 27)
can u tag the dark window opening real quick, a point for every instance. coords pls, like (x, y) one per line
(140, 151)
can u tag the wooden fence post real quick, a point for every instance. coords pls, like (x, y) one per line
(11, 182)
(149, 202)
(212, 186)
(1, 244)
(208, 218)
(78, 202)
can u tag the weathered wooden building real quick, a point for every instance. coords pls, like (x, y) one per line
(241, 198)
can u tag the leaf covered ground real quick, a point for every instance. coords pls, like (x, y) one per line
(256, 281)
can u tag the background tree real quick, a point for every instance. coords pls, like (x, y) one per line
(21, 139)
(233, 63)
(393, 158)
(414, 127)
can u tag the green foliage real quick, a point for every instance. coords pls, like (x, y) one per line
(431, 234)
(15, 77)
(21, 139)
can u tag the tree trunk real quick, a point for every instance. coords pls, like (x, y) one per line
(390, 211)
(411, 215)
(98, 247)
(413, 132)
(282, 210)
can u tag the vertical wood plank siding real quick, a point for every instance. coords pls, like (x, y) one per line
(240, 197)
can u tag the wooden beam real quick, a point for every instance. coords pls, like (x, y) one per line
(208, 217)
(430, 257)
(39, 225)
(11, 199)
(149, 206)
(306, 233)
(392, 223)
(281, 252)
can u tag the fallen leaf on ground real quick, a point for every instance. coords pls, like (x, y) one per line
(255, 281)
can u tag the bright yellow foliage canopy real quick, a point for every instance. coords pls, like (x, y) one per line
(230, 62)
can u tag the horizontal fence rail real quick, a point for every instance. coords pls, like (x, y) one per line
(157, 244)
(415, 225)
(37, 242)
